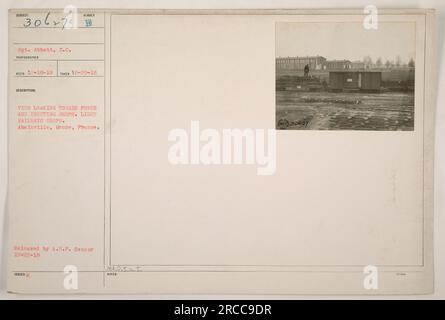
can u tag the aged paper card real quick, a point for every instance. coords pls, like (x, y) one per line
(238, 152)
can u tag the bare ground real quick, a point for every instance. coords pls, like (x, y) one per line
(344, 111)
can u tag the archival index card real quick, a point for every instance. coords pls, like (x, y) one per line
(229, 152)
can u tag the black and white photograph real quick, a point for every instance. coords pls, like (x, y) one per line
(342, 76)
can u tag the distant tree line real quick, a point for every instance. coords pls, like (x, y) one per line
(397, 62)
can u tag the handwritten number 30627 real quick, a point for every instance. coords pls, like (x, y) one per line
(47, 21)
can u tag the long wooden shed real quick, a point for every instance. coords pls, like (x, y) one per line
(355, 80)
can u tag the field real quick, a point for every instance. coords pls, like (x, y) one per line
(388, 111)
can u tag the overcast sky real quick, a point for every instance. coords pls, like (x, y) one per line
(346, 40)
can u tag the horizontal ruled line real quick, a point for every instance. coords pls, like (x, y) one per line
(59, 76)
(49, 43)
(32, 28)
(34, 60)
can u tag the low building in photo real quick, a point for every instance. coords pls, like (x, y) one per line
(298, 63)
(355, 80)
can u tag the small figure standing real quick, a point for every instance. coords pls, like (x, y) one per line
(306, 71)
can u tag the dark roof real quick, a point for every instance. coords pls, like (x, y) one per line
(301, 57)
(338, 61)
(355, 71)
